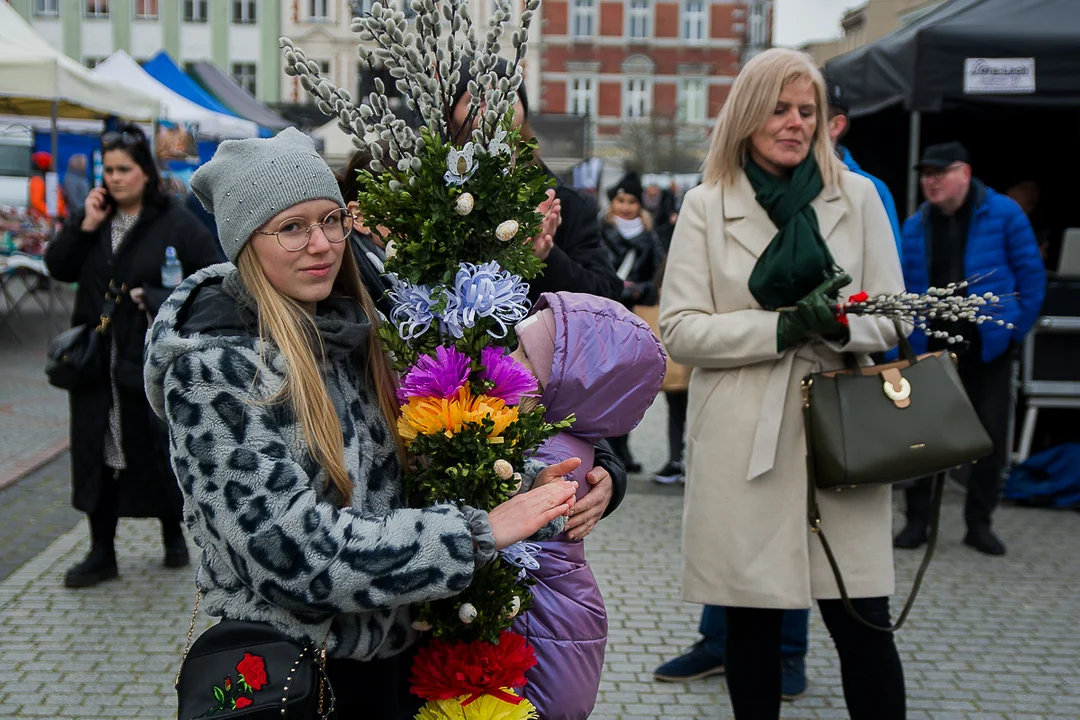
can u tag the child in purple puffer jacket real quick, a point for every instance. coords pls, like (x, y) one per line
(600, 362)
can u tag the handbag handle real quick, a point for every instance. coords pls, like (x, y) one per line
(814, 517)
(906, 351)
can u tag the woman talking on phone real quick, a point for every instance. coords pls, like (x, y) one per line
(130, 243)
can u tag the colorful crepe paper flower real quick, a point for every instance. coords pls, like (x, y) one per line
(442, 671)
(412, 314)
(485, 291)
(486, 707)
(440, 376)
(510, 380)
(434, 415)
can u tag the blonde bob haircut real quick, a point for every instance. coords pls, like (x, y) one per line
(752, 101)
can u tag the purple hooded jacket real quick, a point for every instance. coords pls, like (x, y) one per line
(607, 370)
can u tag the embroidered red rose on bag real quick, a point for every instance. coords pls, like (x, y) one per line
(252, 671)
(230, 696)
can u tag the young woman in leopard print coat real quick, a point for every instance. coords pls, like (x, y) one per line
(280, 405)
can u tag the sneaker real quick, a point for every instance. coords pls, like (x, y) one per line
(696, 664)
(673, 472)
(792, 678)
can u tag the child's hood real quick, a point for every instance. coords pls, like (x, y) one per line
(608, 365)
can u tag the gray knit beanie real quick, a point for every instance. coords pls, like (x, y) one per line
(247, 182)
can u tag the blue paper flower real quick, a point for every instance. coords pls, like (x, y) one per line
(485, 291)
(412, 314)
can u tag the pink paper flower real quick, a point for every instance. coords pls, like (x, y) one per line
(509, 378)
(440, 376)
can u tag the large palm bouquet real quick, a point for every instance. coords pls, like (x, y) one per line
(460, 208)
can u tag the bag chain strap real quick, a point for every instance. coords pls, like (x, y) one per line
(320, 654)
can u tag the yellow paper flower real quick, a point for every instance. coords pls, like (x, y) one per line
(486, 707)
(430, 415)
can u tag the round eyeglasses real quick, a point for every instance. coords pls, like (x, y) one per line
(294, 234)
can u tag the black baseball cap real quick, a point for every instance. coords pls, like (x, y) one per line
(943, 155)
(836, 96)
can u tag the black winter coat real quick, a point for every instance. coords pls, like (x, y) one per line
(578, 261)
(644, 267)
(147, 487)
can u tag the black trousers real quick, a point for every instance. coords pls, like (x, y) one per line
(873, 677)
(987, 384)
(374, 690)
(103, 520)
(676, 423)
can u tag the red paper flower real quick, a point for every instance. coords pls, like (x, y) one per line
(442, 671)
(859, 297)
(253, 670)
(243, 702)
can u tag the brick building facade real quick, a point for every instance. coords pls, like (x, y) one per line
(668, 63)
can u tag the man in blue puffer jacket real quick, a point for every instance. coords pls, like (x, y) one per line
(966, 230)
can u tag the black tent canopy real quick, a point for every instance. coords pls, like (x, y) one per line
(967, 53)
(1013, 51)
(236, 97)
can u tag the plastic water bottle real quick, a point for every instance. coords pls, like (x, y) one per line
(172, 273)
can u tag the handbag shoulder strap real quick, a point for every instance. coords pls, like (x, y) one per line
(814, 517)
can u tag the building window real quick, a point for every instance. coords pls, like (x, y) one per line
(195, 11)
(693, 100)
(97, 8)
(47, 8)
(640, 19)
(146, 9)
(244, 75)
(362, 7)
(319, 10)
(693, 19)
(583, 22)
(93, 61)
(758, 32)
(638, 98)
(244, 12)
(582, 97)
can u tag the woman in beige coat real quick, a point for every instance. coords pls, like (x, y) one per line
(760, 250)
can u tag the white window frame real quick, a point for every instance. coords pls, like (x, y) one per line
(581, 95)
(199, 11)
(248, 14)
(314, 8)
(637, 97)
(758, 26)
(96, 11)
(694, 22)
(362, 7)
(639, 19)
(693, 106)
(145, 15)
(46, 8)
(584, 18)
(249, 82)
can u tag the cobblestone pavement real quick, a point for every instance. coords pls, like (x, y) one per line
(990, 638)
(33, 414)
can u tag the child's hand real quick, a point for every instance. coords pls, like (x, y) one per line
(559, 471)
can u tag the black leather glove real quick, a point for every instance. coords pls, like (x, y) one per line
(815, 314)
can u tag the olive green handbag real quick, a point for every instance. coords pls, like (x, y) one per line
(885, 424)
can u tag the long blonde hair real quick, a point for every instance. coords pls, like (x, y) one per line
(288, 326)
(752, 100)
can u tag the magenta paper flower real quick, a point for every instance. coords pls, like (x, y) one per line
(509, 378)
(440, 376)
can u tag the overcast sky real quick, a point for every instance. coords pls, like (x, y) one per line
(799, 21)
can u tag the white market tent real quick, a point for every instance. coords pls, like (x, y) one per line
(36, 79)
(121, 67)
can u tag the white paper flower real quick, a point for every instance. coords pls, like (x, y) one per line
(391, 249)
(467, 613)
(517, 480)
(421, 625)
(464, 204)
(507, 230)
(460, 165)
(503, 470)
